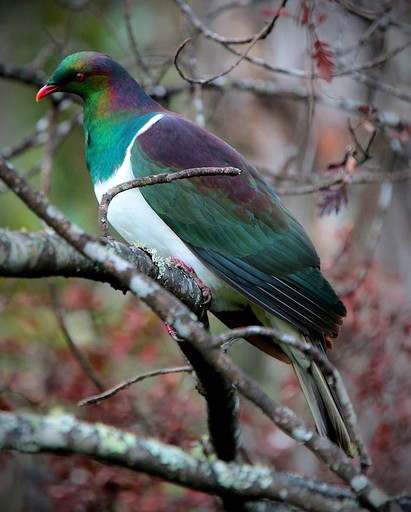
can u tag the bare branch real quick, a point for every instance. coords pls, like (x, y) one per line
(197, 91)
(35, 255)
(378, 84)
(39, 136)
(228, 44)
(65, 434)
(222, 403)
(139, 60)
(262, 34)
(97, 399)
(211, 34)
(156, 179)
(363, 12)
(375, 62)
(374, 233)
(83, 362)
(27, 75)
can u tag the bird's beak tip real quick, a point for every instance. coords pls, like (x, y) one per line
(45, 91)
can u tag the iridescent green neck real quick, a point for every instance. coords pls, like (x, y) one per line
(108, 132)
(115, 108)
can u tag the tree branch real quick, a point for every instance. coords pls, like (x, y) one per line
(222, 403)
(211, 34)
(64, 434)
(262, 34)
(77, 354)
(156, 179)
(26, 75)
(43, 254)
(108, 393)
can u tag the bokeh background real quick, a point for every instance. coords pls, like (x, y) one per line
(296, 129)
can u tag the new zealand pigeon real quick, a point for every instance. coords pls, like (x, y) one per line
(235, 232)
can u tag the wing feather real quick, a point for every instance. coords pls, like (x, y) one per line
(237, 225)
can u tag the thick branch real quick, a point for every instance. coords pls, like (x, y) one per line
(42, 254)
(64, 434)
(46, 254)
(222, 403)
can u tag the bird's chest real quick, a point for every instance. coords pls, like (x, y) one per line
(134, 219)
(131, 215)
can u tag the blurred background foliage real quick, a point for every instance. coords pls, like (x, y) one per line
(365, 248)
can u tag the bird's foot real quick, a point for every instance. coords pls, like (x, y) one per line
(205, 290)
(172, 332)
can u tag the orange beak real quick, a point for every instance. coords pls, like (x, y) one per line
(45, 91)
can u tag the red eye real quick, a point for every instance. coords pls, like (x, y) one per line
(80, 77)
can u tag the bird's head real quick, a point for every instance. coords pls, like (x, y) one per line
(83, 74)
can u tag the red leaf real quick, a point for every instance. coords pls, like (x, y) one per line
(324, 60)
(321, 18)
(332, 199)
(305, 16)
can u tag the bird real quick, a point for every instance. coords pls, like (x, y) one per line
(233, 231)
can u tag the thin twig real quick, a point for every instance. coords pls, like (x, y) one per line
(360, 153)
(215, 36)
(381, 86)
(96, 399)
(374, 233)
(299, 73)
(262, 34)
(360, 178)
(229, 42)
(373, 63)
(363, 12)
(197, 89)
(85, 365)
(133, 41)
(39, 136)
(49, 150)
(156, 179)
(270, 88)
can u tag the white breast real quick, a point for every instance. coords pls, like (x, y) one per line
(130, 214)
